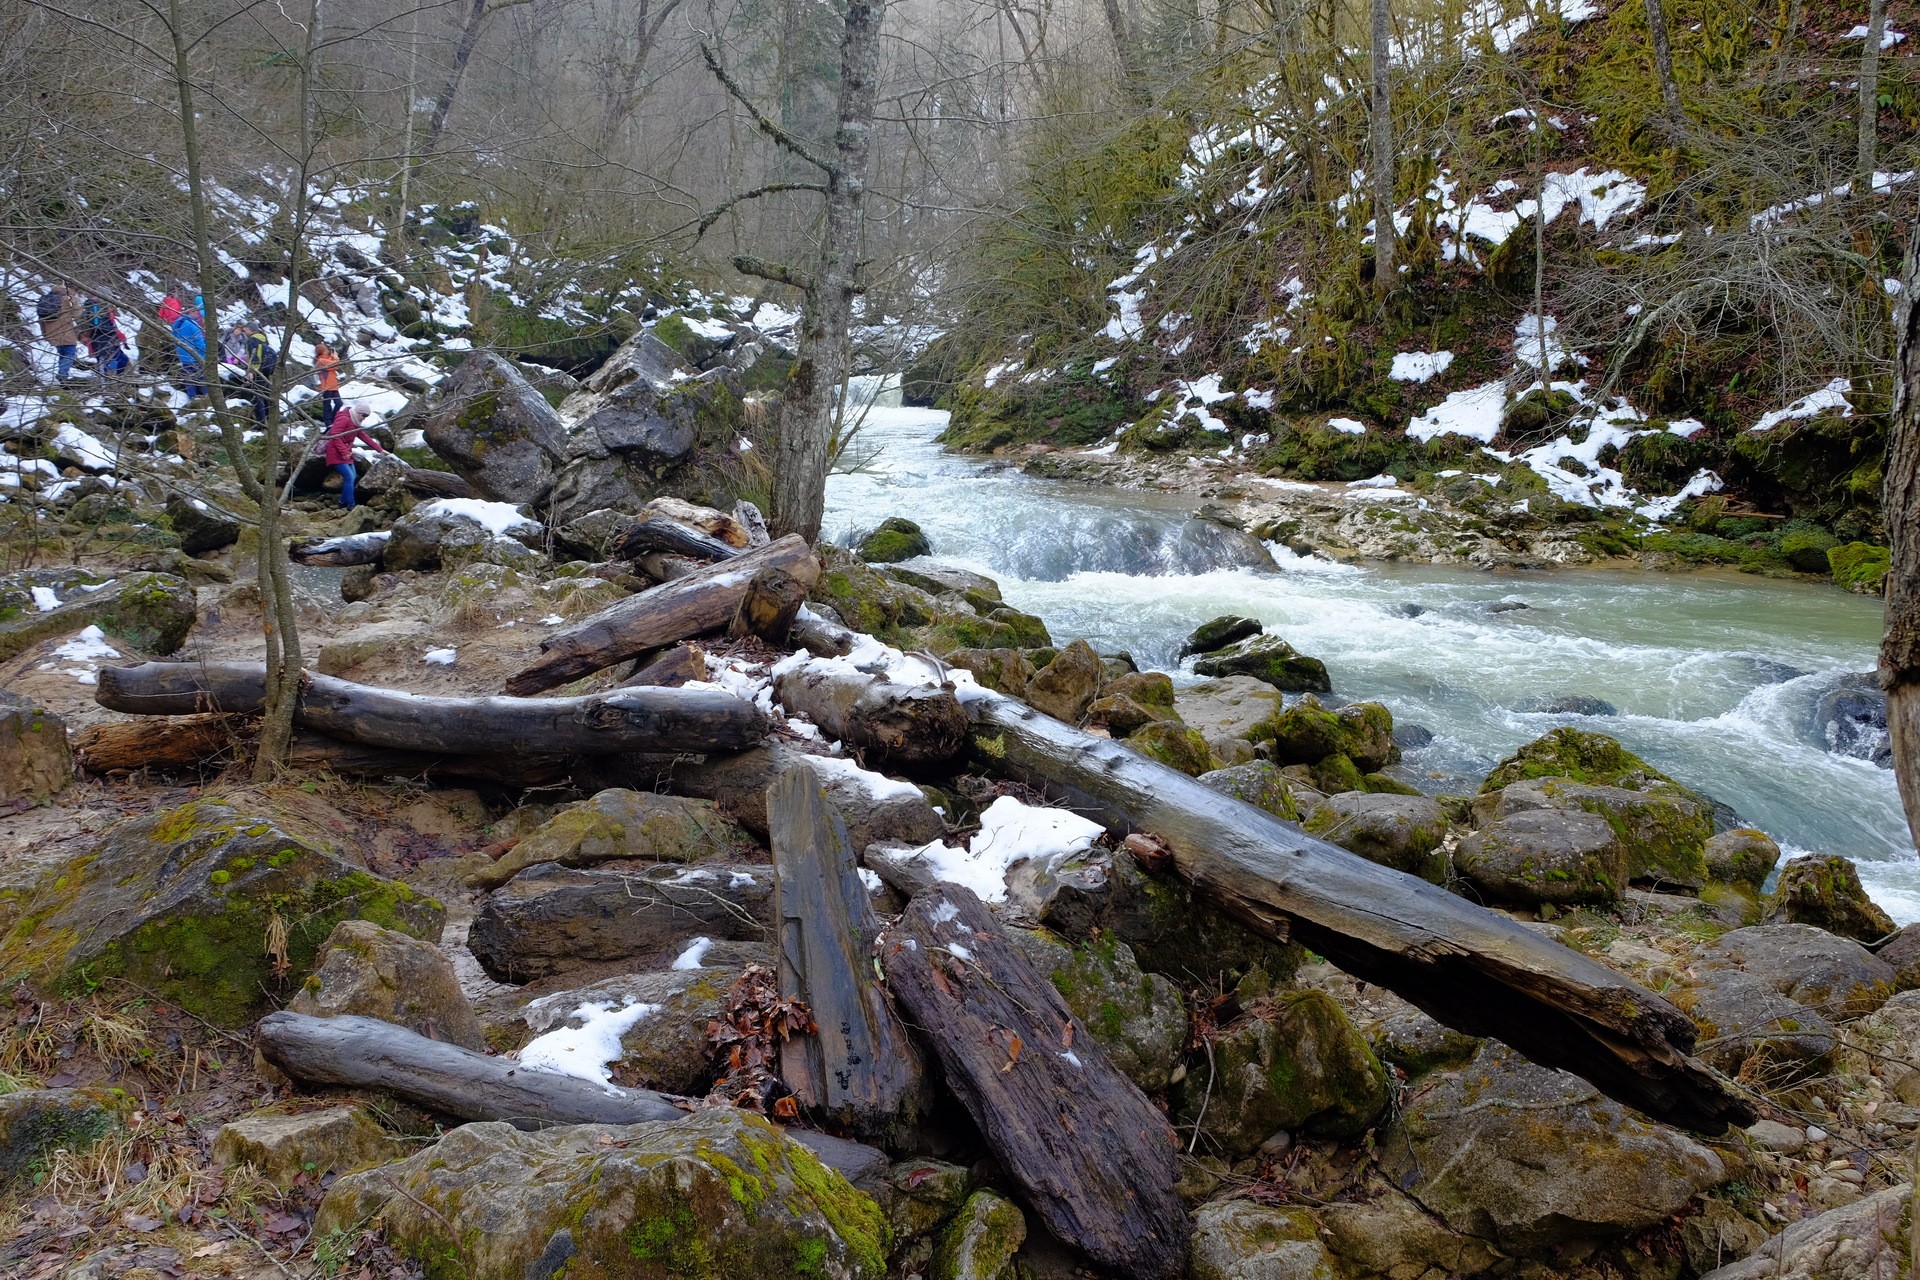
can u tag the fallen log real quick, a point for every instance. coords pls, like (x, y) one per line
(768, 609)
(664, 568)
(1096, 1160)
(888, 723)
(343, 552)
(441, 484)
(189, 742)
(620, 721)
(365, 1053)
(670, 670)
(704, 600)
(874, 807)
(861, 1071)
(1471, 968)
(661, 534)
(311, 752)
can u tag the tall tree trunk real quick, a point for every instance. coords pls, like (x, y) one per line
(1870, 99)
(805, 435)
(1380, 134)
(1900, 647)
(1126, 52)
(1784, 37)
(1663, 63)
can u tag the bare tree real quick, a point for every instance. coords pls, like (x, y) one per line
(1900, 646)
(1663, 64)
(1380, 135)
(470, 30)
(1870, 98)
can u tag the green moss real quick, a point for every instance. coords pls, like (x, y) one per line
(1174, 745)
(1572, 753)
(1860, 567)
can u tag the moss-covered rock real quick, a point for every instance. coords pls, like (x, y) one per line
(1835, 976)
(1309, 731)
(895, 540)
(1029, 632)
(621, 824)
(1860, 567)
(34, 1123)
(1545, 856)
(498, 432)
(1065, 687)
(35, 760)
(870, 601)
(211, 909)
(720, 1195)
(1148, 688)
(980, 1242)
(1121, 716)
(1004, 670)
(1257, 783)
(1243, 1240)
(1269, 659)
(1220, 632)
(1575, 755)
(316, 1143)
(925, 1195)
(1824, 890)
(1138, 1018)
(1743, 857)
(1741, 1019)
(1806, 549)
(371, 972)
(1293, 1063)
(150, 611)
(667, 1049)
(1174, 745)
(1402, 832)
(1662, 829)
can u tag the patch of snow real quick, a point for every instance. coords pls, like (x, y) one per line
(499, 518)
(45, 600)
(1474, 413)
(586, 1051)
(1419, 366)
(877, 785)
(83, 448)
(696, 952)
(960, 951)
(1010, 833)
(1657, 509)
(440, 657)
(871, 878)
(1888, 36)
(1351, 426)
(1382, 481)
(89, 645)
(1831, 396)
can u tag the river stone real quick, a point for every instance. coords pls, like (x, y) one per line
(1029, 632)
(1741, 1018)
(1140, 1019)
(924, 1195)
(1257, 783)
(665, 1050)
(35, 758)
(946, 580)
(1393, 1236)
(720, 1193)
(337, 1140)
(1309, 732)
(1825, 891)
(150, 611)
(551, 919)
(1219, 633)
(1662, 829)
(34, 1123)
(1173, 744)
(1834, 976)
(1417, 1043)
(1241, 1240)
(1576, 755)
(1065, 687)
(1121, 716)
(1567, 704)
(1152, 689)
(373, 972)
(1271, 660)
(1716, 1233)
(1529, 1157)
(1881, 1046)
(184, 903)
(1545, 855)
(1851, 720)
(1402, 832)
(496, 431)
(1743, 857)
(897, 538)
(621, 824)
(980, 1242)
(1903, 953)
(201, 526)
(1860, 1241)
(1293, 1063)
(1002, 670)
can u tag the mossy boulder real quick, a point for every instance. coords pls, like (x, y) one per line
(1029, 632)
(1860, 567)
(720, 1195)
(370, 972)
(1824, 890)
(201, 526)
(1174, 745)
(1148, 688)
(1402, 832)
(150, 611)
(317, 1143)
(35, 760)
(981, 1241)
(1742, 1020)
(1004, 670)
(1244, 1240)
(1662, 829)
(211, 909)
(896, 539)
(1121, 716)
(1271, 660)
(1065, 687)
(34, 1123)
(1139, 1018)
(667, 1048)
(621, 824)
(497, 431)
(1577, 756)
(925, 1194)
(1309, 731)
(870, 601)
(1743, 857)
(432, 537)
(1835, 976)
(1293, 1063)
(1257, 783)
(1806, 549)
(1545, 856)
(1219, 633)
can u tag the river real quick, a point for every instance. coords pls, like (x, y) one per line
(1713, 675)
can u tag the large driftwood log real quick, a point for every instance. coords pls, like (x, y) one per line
(768, 609)
(311, 752)
(661, 534)
(1469, 967)
(888, 723)
(624, 720)
(873, 807)
(365, 1053)
(1095, 1158)
(342, 552)
(861, 1071)
(702, 601)
(189, 742)
(441, 484)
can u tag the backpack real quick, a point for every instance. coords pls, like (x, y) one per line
(262, 355)
(100, 323)
(48, 307)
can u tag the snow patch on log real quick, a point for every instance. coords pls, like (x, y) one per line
(1011, 834)
(587, 1051)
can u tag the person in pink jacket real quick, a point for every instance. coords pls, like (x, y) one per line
(345, 431)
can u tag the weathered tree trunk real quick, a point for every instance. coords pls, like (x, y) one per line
(889, 724)
(1096, 1160)
(343, 552)
(669, 671)
(660, 534)
(873, 809)
(1900, 647)
(1380, 137)
(1126, 52)
(1470, 968)
(365, 1053)
(861, 1071)
(624, 720)
(1663, 64)
(190, 742)
(702, 601)
(311, 752)
(441, 484)
(1869, 100)
(768, 609)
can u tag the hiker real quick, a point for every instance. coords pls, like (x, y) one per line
(345, 429)
(104, 338)
(59, 313)
(261, 360)
(189, 345)
(327, 365)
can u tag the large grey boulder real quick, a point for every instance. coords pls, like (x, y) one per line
(497, 431)
(1241, 1240)
(451, 532)
(370, 972)
(722, 1193)
(35, 759)
(666, 1049)
(1269, 659)
(34, 1123)
(1227, 708)
(1402, 832)
(621, 824)
(1529, 1157)
(1825, 891)
(150, 611)
(1829, 974)
(1865, 1240)
(1743, 857)
(1394, 1236)
(1740, 1018)
(1545, 855)
(1662, 829)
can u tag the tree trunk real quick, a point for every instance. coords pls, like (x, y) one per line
(1380, 135)
(1468, 967)
(804, 435)
(1663, 64)
(661, 534)
(1092, 1155)
(441, 484)
(889, 724)
(443, 103)
(704, 600)
(311, 752)
(738, 783)
(190, 742)
(1869, 100)
(342, 552)
(1126, 52)
(667, 720)
(1900, 648)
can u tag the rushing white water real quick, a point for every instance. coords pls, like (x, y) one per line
(1714, 676)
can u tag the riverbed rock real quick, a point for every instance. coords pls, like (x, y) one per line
(152, 612)
(551, 919)
(1662, 829)
(1294, 1062)
(1880, 1047)
(1545, 855)
(1268, 659)
(1834, 976)
(1529, 1157)
(1743, 857)
(619, 824)
(1309, 732)
(210, 908)
(1576, 755)
(947, 580)
(1002, 670)
(435, 536)
(1242, 1240)
(895, 539)
(1865, 1240)
(35, 758)
(34, 1123)
(1567, 704)
(924, 1195)
(1825, 891)
(980, 1242)
(870, 601)
(1227, 710)
(372, 972)
(1417, 1043)
(1065, 687)
(1121, 716)
(1393, 1236)
(1850, 719)
(1402, 832)
(664, 1050)
(1140, 1019)
(1903, 953)
(201, 526)
(720, 1193)
(1742, 1019)
(1174, 745)
(1219, 633)
(496, 431)
(282, 1147)
(1257, 783)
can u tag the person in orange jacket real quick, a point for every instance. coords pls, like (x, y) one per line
(327, 365)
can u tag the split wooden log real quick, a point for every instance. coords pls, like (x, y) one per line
(620, 721)
(890, 724)
(861, 1071)
(343, 552)
(1096, 1160)
(670, 670)
(705, 600)
(768, 609)
(188, 742)
(663, 568)
(660, 534)
(311, 752)
(365, 1053)
(1471, 968)
(441, 484)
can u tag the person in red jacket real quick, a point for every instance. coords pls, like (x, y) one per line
(343, 433)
